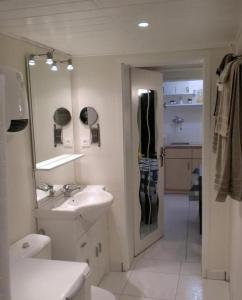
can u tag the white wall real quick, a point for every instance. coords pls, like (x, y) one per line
(97, 82)
(236, 232)
(20, 181)
(190, 131)
(21, 196)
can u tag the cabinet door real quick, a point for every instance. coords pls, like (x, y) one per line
(178, 174)
(83, 251)
(99, 249)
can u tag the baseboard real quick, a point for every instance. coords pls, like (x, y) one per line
(217, 275)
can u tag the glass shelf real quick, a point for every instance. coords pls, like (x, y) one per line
(57, 161)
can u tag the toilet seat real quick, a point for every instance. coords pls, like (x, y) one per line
(100, 294)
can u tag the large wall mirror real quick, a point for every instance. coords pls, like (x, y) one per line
(50, 94)
(52, 127)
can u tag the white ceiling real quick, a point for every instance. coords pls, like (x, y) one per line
(101, 27)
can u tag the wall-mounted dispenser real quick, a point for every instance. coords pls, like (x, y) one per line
(17, 114)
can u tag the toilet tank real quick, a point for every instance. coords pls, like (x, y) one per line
(31, 246)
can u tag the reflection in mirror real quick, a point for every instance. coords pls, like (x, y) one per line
(88, 116)
(62, 116)
(148, 163)
(50, 98)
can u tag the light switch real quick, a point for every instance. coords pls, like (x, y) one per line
(85, 142)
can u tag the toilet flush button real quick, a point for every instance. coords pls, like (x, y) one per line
(25, 245)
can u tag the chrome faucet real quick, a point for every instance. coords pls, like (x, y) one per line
(47, 188)
(69, 188)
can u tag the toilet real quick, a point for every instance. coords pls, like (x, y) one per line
(39, 247)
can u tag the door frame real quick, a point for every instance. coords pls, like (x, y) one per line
(182, 58)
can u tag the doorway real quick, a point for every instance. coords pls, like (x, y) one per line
(180, 111)
(183, 139)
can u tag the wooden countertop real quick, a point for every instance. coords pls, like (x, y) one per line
(183, 146)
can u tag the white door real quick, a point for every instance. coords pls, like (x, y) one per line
(148, 172)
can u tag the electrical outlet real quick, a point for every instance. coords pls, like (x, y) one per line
(85, 142)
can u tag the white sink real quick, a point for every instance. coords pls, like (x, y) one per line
(89, 204)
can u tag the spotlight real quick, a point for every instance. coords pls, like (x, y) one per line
(49, 58)
(31, 60)
(70, 65)
(54, 67)
(143, 24)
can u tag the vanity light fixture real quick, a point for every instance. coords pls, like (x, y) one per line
(54, 67)
(70, 65)
(49, 58)
(143, 24)
(31, 60)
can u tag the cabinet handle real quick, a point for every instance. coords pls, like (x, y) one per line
(83, 245)
(97, 252)
(100, 247)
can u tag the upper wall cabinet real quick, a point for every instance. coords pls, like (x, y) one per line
(182, 87)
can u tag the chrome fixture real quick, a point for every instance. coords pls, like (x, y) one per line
(49, 58)
(32, 60)
(69, 188)
(70, 65)
(178, 121)
(47, 188)
(48, 55)
(50, 61)
(54, 66)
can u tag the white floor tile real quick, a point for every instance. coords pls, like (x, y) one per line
(194, 252)
(190, 288)
(190, 268)
(114, 282)
(125, 297)
(153, 285)
(195, 288)
(168, 251)
(157, 266)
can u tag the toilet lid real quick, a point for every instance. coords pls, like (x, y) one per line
(101, 294)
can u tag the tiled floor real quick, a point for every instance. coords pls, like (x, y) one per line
(170, 269)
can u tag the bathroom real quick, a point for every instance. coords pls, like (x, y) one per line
(99, 80)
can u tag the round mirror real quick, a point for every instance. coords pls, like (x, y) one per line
(62, 116)
(88, 116)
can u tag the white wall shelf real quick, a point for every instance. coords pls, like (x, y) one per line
(57, 161)
(184, 105)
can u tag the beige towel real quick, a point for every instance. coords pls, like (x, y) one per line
(228, 134)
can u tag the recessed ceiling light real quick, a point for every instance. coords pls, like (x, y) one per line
(143, 24)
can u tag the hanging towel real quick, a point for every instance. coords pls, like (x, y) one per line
(228, 133)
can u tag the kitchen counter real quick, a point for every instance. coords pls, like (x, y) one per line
(183, 146)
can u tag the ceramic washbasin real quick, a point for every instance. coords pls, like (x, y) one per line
(90, 204)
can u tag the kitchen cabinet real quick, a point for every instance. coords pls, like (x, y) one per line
(179, 165)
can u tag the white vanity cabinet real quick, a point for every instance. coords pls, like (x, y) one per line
(93, 249)
(76, 240)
